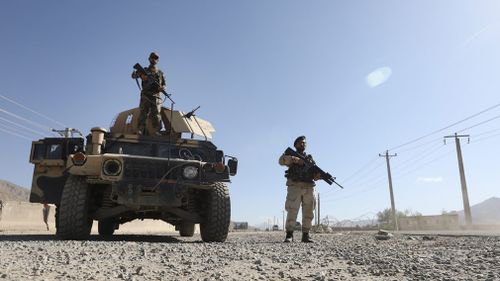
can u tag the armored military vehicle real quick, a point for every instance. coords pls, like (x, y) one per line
(175, 174)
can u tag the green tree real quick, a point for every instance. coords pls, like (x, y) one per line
(385, 220)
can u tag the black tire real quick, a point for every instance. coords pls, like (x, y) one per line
(75, 222)
(216, 213)
(57, 219)
(186, 229)
(106, 227)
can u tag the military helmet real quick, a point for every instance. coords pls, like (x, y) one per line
(154, 55)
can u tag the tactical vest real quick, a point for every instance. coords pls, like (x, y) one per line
(299, 173)
(150, 87)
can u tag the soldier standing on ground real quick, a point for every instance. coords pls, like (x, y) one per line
(300, 191)
(150, 104)
(46, 211)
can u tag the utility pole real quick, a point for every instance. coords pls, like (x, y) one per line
(394, 217)
(465, 196)
(67, 132)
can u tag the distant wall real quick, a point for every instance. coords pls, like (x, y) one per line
(25, 216)
(440, 222)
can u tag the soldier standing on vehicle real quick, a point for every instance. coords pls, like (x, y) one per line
(151, 102)
(45, 212)
(300, 185)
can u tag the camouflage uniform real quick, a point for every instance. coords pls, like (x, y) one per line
(151, 102)
(45, 212)
(300, 191)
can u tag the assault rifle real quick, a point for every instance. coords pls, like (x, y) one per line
(141, 71)
(311, 166)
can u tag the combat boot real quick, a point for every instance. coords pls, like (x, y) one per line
(289, 237)
(306, 238)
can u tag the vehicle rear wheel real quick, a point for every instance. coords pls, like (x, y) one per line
(186, 229)
(217, 214)
(74, 219)
(106, 227)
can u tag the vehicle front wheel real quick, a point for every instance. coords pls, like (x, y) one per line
(217, 214)
(74, 219)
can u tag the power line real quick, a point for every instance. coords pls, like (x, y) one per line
(447, 127)
(361, 181)
(359, 191)
(487, 132)
(25, 120)
(361, 169)
(32, 111)
(12, 129)
(485, 138)
(15, 134)
(480, 123)
(22, 126)
(402, 173)
(420, 145)
(412, 161)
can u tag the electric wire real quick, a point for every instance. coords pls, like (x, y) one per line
(446, 127)
(484, 138)
(12, 129)
(442, 155)
(22, 126)
(479, 124)
(360, 170)
(25, 120)
(374, 186)
(14, 134)
(32, 111)
(487, 132)
(414, 161)
(362, 181)
(352, 176)
(420, 145)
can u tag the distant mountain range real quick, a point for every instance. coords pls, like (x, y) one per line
(13, 192)
(486, 212)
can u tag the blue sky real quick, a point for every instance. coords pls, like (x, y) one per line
(265, 72)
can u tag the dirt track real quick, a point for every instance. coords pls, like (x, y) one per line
(249, 256)
(29, 252)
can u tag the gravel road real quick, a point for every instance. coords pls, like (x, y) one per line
(250, 256)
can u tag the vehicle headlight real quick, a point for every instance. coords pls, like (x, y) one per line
(190, 172)
(79, 159)
(112, 167)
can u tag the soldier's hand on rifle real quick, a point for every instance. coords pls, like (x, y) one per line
(298, 161)
(316, 176)
(144, 77)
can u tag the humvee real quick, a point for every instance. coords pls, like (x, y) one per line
(176, 175)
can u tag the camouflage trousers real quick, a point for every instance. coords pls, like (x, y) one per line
(300, 194)
(150, 105)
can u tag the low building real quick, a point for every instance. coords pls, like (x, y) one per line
(239, 225)
(439, 222)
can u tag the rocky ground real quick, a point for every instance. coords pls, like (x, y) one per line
(250, 256)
